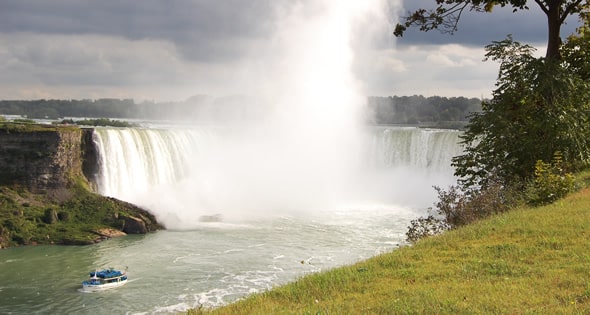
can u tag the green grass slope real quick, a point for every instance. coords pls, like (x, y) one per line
(526, 261)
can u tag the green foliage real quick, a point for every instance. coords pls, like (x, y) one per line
(103, 122)
(456, 208)
(576, 50)
(551, 182)
(24, 121)
(53, 109)
(37, 219)
(436, 111)
(9, 126)
(538, 108)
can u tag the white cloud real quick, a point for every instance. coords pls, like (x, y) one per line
(448, 70)
(441, 60)
(74, 66)
(167, 58)
(455, 56)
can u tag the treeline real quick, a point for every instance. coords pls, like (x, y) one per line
(196, 108)
(420, 110)
(55, 109)
(417, 109)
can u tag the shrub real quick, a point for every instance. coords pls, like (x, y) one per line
(550, 182)
(456, 208)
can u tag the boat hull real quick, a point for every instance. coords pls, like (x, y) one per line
(104, 279)
(88, 287)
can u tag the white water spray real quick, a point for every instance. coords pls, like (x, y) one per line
(309, 154)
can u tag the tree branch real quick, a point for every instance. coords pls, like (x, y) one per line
(542, 6)
(571, 8)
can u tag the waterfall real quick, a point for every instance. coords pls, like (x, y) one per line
(132, 160)
(182, 174)
(425, 149)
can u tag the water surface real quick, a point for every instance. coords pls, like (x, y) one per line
(211, 265)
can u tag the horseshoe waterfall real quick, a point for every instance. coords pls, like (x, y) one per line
(183, 175)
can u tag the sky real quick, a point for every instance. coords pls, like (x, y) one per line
(172, 50)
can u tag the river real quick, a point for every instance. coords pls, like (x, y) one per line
(278, 221)
(214, 264)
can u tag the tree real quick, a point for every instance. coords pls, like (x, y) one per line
(527, 138)
(447, 14)
(538, 109)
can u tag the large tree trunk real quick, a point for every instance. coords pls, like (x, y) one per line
(554, 25)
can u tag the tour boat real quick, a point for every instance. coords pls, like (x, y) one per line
(104, 279)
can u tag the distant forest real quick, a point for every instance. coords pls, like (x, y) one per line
(415, 110)
(420, 110)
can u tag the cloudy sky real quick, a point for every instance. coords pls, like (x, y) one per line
(171, 50)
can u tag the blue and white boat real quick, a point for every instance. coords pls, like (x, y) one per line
(104, 279)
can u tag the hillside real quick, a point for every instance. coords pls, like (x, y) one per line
(529, 260)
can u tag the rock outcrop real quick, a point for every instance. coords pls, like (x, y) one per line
(44, 186)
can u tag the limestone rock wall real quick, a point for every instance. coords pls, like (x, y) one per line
(40, 158)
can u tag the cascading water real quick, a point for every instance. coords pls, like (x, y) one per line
(132, 161)
(428, 150)
(184, 174)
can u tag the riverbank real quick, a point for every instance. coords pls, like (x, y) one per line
(529, 260)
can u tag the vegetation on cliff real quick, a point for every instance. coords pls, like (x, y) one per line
(85, 218)
(102, 122)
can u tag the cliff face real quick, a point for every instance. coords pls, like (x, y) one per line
(42, 159)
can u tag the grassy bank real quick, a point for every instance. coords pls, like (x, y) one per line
(526, 261)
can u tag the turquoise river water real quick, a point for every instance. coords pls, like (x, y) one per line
(214, 264)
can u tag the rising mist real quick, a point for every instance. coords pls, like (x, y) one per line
(307, 153)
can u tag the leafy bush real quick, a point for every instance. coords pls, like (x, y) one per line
(539, 107)
(456, 208)
(550, 183)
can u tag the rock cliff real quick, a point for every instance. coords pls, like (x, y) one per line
(40, 158)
